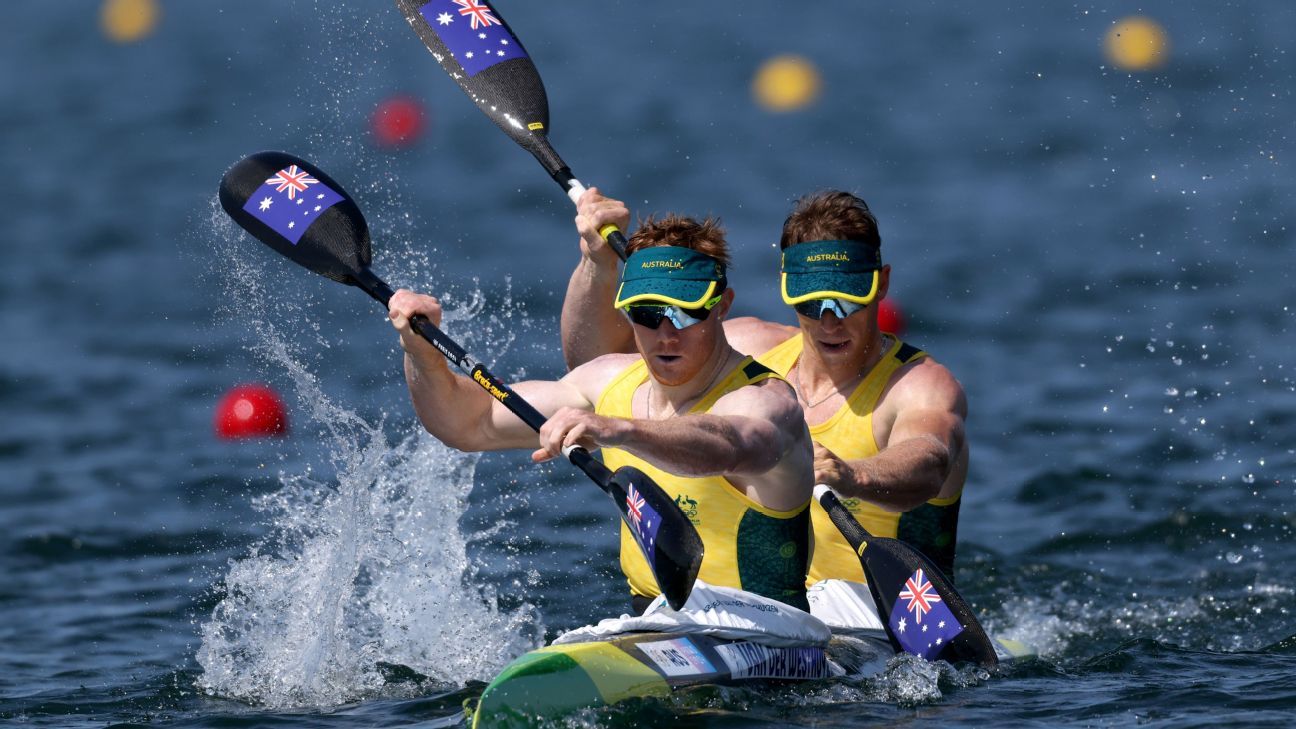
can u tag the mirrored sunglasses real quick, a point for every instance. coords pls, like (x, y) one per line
(815, 308)
(652, 315)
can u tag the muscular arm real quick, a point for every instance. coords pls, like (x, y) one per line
(925, 454)
(755, 436)
(455, 409)
(590, 326)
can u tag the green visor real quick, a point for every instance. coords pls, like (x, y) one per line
(838, 269)
(670, 275)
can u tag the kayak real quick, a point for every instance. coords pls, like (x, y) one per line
(743, 638)
(559, 679)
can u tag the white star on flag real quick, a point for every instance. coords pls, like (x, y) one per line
(292, 223)
(941, 624)
(503, 41)
(482, 36)
(445, 19)
(301, 200)
(469, 54)
(319, 196)
(902, 625)
(499, 53)
(317, 208)
(924, 628)
(266, 203)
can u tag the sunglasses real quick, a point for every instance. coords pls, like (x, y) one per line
(815, 308)
(652, 315)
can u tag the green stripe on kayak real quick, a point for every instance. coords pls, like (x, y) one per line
(564, 678)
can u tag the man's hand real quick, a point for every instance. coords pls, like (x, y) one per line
(832, 471)
(593, 213)
(573, 426)
(405, 305)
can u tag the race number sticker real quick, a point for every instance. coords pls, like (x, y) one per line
(678, 657)
(752, 660)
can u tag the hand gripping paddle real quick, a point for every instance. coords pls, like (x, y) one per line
(293, 207)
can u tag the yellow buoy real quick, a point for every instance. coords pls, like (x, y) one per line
(126, 21)
(786, 83)
(1137, 44)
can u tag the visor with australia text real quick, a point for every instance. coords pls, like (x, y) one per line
(670, 275)
(822, 269)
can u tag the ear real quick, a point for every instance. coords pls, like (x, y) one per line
(884, 281)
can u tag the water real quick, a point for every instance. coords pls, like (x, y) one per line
(1104, 260)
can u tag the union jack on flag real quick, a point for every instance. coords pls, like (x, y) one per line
(920, 594)
(634, 506)
(479, 15)
(293, 180)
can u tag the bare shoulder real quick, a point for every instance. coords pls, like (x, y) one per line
(771, 398)
(593, 377)
(927, 384)
(753, 336)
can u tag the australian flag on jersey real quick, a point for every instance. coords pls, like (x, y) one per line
(645, 521)
(290, 201)
(473, 32)
(920, 619)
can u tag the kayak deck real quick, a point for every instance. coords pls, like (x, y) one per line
(562, 678)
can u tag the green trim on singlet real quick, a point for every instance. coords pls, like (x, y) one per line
(935, 529)
(774, 553)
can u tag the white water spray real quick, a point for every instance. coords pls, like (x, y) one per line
(365, 568)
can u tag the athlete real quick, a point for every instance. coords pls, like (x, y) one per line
(716, 430)
(887, 419)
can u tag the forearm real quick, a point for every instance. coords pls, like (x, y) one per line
(901, 477)
(706, 445)
(454, 409)
(590, 326)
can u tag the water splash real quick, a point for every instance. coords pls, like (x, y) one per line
(361, 569)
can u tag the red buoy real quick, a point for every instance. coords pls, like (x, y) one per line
(397, 122)
(890, 318)
(251, 411)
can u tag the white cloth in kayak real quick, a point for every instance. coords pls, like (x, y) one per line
(844, 604)
(723, 612)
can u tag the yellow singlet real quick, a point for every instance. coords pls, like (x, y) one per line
(747, 545)
(932, 528)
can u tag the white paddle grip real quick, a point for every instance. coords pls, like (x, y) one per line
(575, 191)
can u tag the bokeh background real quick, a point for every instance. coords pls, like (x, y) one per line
(1090, 221)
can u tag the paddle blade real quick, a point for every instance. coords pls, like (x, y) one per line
(292, 206)
(480, 52)
(922, 611)
(668, 539)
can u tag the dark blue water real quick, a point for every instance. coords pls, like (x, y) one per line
(1104, 259)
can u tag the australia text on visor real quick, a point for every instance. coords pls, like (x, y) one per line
(652, 315)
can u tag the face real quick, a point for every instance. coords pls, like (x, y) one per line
(849, 341)
(677, 356)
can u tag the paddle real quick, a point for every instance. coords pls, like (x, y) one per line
(921, 610)
(477, 48)
(296, 209)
